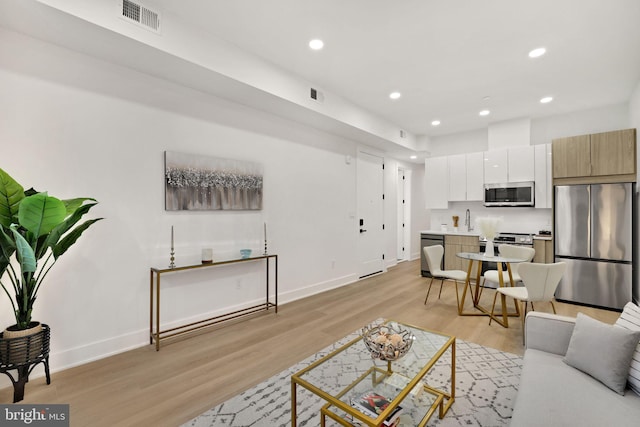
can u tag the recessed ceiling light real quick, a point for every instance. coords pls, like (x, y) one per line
(395, 95)
(435, 123)
(484, 112)
(538, 52)
(546, 99)
(316, 44)
(413, 157)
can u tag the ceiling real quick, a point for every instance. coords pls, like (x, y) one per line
(448, 59)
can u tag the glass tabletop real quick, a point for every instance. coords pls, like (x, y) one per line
(350, 372)
(479, 256)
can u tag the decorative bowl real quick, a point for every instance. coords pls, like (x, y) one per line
(245, 253)
(387, 342)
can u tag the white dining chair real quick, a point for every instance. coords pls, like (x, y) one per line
(540, 283)
(510, 251)
(433, 255)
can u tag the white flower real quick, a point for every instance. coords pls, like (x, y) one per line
(488, 226)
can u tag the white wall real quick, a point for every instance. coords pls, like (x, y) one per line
(77, 126)
(509, 133)
(515, 220)
(596, 120)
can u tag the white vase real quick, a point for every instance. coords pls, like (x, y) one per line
(488, 248)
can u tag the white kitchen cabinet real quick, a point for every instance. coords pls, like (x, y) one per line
(466, 177)
(436, 176)
(475, 176)
(521, 163)
(495, 167)
(457, 177)
(543, 178)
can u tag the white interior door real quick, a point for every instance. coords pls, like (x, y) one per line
(400, 251)
(404, 214)
(370, 213)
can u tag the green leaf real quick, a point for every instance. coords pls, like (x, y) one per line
(11, 194)
(24, 253)
(68, 240)
(73, 204)
(57, 232)
(7, 248)
(41, 213)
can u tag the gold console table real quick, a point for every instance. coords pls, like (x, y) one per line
(157, 335)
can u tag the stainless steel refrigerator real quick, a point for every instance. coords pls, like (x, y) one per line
(594, 229)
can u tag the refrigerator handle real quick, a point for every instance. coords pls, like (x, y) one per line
(589, 219)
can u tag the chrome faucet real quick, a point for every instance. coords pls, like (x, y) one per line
(467, 220)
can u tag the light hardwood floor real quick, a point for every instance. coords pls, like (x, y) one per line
(189, 375)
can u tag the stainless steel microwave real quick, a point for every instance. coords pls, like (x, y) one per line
(510, 194)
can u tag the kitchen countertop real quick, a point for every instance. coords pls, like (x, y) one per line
(451, 232)
(542, 237)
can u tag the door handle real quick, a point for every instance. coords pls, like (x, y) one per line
(363, 231)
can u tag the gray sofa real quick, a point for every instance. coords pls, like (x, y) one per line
(552, 393)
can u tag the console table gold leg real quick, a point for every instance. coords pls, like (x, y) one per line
(151, 307)
(158, 313)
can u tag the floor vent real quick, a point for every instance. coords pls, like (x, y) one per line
(139, 14)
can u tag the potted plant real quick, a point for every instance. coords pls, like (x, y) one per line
(35, 231)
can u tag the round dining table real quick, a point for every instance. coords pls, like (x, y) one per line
(476, 292)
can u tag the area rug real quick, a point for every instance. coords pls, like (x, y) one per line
(486, 385)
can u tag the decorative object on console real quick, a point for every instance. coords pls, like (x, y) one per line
(172, 258)
(386, 342)
(265, 239)
(207, 183)
(33, 226)
(488, 227)
(245, 253)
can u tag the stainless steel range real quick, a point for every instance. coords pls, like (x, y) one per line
(519, 239)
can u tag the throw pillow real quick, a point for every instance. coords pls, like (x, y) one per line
(630, 319)
(610, 364)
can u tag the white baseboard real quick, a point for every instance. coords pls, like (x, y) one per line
(66, 359)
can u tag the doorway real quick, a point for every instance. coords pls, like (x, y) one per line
(370, 184)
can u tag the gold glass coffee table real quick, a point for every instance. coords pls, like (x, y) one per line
(348, 372)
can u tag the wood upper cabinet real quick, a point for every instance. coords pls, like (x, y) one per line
(603, 154)
(572, 156)
(613, 153)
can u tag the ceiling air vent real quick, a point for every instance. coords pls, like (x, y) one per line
(139, 14)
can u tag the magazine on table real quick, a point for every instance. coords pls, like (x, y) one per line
(372, 404)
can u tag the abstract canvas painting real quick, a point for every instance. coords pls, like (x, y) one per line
(194, 182)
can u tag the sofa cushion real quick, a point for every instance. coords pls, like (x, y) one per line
(551, 393)
(602, 351)
(630, 319)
